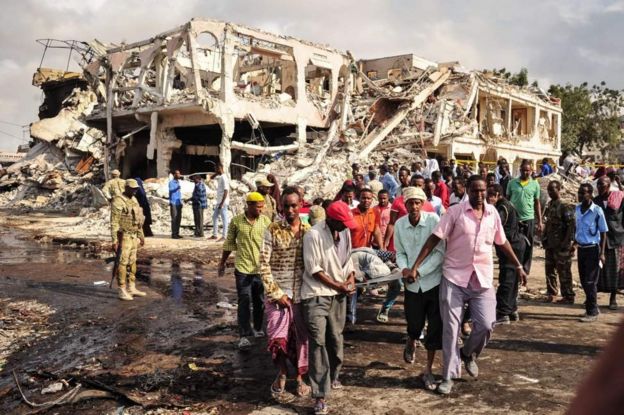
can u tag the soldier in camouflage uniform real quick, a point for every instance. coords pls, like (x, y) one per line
(557, 241)
(127, 233)
(114, 187)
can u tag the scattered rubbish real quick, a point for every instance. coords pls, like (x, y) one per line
(193, 367)
(226, 305)
(526, 379)
(98, 283)
(53, 388)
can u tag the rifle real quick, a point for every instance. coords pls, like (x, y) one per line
(117, 258)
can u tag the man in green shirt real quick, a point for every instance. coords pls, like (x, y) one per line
(524, 195)
(245, 235)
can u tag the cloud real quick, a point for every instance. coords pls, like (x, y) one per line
(558, 41)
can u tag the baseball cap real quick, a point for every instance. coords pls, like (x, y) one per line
(255, 197)
(341, 212)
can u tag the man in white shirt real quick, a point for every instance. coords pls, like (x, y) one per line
(222, 203)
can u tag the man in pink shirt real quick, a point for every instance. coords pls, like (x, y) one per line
(469, 228)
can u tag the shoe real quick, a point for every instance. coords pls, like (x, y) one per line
(176, 237)
(550, 298)
(445, 387)
(409, 352)
(124, 295)
(470, 364)
(566, 300)
(588, 319)
(259, 334)
(500, 320)
(613, 306)
(336, 384)
(515, 316)
(382, 316)
(244, 343)
(132, 290)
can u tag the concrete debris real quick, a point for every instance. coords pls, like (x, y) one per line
(261, 103)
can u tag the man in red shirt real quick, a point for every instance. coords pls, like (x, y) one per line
(382, 210)
(441, 190)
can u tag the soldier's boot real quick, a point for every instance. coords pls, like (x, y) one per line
(133, 290)
(124, 295)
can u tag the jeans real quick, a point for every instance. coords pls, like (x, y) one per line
(176, 219)
(198, 218)
(223, 213)
(394, 289)
(250, 293)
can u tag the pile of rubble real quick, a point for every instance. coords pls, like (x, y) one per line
(65, 161)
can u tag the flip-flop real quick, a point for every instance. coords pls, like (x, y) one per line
(303, 389)
(429, 381)
(320, 408)
(279, 389)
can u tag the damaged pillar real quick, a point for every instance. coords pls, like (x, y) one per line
(166, 143)
(226, 122)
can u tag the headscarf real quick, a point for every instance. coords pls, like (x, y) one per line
(141, 197)
(432, 165)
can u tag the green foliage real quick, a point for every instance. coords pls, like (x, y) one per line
(590, 116)
(520, 79)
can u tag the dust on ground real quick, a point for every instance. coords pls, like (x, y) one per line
(175, 350)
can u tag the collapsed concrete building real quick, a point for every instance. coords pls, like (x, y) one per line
(210, 91)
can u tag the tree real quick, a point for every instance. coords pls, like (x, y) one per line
(591, 116)
(520, 79)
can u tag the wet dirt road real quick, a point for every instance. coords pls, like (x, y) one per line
(175, 349)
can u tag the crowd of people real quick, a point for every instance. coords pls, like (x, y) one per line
(299, 267)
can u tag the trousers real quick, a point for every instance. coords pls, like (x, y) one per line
(223, 214)
(176, 219)
(325, 318)
(482, 303)
(198, 219)
(126, 271)
(559, 264)
(250, 291)
(589, 271)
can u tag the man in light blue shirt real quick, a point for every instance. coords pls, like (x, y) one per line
(421, 294)
(389, 182)
(175, 204)
(590, 240)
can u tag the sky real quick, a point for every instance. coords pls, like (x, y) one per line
(558, 41)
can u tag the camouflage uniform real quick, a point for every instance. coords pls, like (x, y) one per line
(557, 239)
(113, 188)
(126, 223)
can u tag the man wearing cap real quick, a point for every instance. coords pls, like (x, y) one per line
(469, 229)
(115, 186)
(422, 293)
(270, 205)
(245, 236)
(127, 233)
(328, 278)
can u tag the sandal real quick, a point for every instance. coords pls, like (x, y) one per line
(281, 382)
(429, 381)
(320, 408)
(303, 389)
(382, 316)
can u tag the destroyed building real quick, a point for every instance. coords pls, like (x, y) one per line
(260, 103)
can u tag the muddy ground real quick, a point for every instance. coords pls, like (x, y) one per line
(175, 350)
